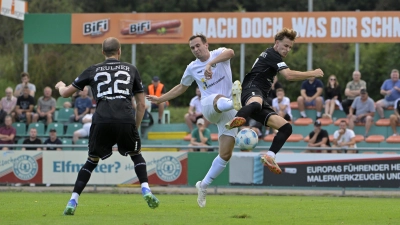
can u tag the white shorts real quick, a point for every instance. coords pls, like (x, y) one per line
(219, 119)
(385, 103)
(83, 132)
(336, 103)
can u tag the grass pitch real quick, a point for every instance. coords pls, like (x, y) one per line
(47, 208)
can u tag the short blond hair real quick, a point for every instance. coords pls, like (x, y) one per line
(286, 32)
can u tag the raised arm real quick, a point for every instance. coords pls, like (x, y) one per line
(293, 75)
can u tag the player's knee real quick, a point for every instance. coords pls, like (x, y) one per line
(286, 129)
(257, 106)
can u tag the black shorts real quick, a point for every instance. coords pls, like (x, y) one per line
(103, 136)
(266, 111)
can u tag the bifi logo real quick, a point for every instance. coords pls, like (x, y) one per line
(139, 28)
(96, 28)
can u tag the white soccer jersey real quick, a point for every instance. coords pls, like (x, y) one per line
(221, 81)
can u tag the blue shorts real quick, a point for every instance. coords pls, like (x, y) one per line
(312, 103)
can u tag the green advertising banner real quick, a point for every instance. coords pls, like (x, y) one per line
(198, 165)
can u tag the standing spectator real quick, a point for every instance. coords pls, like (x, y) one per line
(24, 107)
(333, 96)
(194, 112)
(7, 132)
(318, 138)
(157, 88)
(344, 138)
(81, 107)
(274, 87)
(311, 95)
(201, 136)
(281, 105)
(32, 140)
(365, 111)
(8, 102)
(391, 90)
(87, 122)
(353, 90)
(19, 89)
(395, 118)
(45, 107)
(52, 140)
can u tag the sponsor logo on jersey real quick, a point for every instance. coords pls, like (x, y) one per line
(96, 28)
(25, 167)
(263, 54)
(168, 168)
(281, 64)
(199, 71)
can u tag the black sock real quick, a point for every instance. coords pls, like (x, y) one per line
(84, 176)
(249, 109)
(283, 134)
(140, 168)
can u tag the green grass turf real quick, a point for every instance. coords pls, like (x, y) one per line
(47, 208)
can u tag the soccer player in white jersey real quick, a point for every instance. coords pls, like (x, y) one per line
(212, 72)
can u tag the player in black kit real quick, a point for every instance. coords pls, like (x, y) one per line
(256, 86)
(113, 84)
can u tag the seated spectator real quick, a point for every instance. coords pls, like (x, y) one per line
(19, 89)
(24, 108)
(8, 102)
(87, 122)
(45, 107)
(194, 112)
(32, 140)
(318, 138)
(311, 95)
(353, 90)
(274, 87)
(7, 133)
(157, 88)
(281, 105)
(391, 90)
(82, 106)
(201, 136)
(70, 104)
(333, 97)
(395, 118)
(344, 138)
(52, 140)
(365, 111)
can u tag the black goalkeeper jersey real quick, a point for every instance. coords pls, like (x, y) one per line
(266, 66)
(113, 84)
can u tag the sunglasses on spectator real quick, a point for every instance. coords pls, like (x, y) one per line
(333, 79)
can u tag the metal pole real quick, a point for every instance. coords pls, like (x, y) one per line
(309, 47)
(25, 57)
(134, 54)
(242, 53)
(357, 54)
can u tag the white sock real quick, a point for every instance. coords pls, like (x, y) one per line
(75, 196)
(319, 114)
(303, 113)
(224, 104)
(217, 166)
(271, 153)
(145, 184)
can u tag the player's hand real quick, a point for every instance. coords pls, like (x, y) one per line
(319, 73)
(59, 85)
(153, 99)
(207, 72)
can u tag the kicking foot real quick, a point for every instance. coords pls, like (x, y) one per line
(271, 164)
(236, 95)
(71, 206)
(201, 195)
(151, 200)
(235, 122)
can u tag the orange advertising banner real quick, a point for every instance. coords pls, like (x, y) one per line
(170, 28)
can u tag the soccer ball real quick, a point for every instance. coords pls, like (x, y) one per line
(246, 139)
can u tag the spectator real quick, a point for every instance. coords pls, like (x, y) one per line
(24, 107)
(333, 96)
(318, 138)
(311, 95)
(45, 107)
(87, 122)
(19, 89)
(81, 107)
(344, 138)
(391, 90)
(281, 105)
(194, 112)
(395, 118)
(8, 102)
(7, 133)
(274, 87)
(353, 90)
(32, 140)
(365, 110)
(157, 88)
(52, 140)
(201, 136)
(70, 104)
